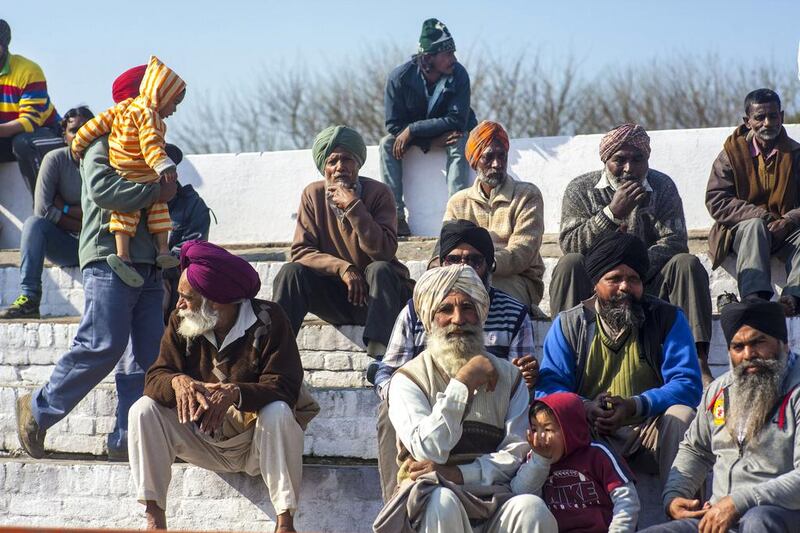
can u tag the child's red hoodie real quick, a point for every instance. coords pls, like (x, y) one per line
(577, 488)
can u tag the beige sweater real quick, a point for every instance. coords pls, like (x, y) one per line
(513, 215)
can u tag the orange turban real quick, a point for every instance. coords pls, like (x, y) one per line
(481, 137)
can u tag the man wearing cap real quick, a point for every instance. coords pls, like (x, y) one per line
(511, 210)
(222, 391)
(427, 104)
(114, 313)
(631, 357)
(29, 123)
(508, 332)
(461, 416)
(343, 266)
(753, 195)
(746, 432)
(627, 196)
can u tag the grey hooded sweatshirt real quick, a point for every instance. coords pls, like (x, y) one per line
(764, 472)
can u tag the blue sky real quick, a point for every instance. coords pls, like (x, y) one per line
(216, 45)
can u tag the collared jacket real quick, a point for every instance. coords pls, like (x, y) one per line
(406, 104)
(666, 343)
(766, 472)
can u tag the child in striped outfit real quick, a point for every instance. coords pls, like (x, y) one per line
(136, 151)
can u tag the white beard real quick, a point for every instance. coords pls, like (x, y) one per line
(196, 323)
(754, 396)
(451, 351)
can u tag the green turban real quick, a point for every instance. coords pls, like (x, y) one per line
(333, 136)
(435, 38)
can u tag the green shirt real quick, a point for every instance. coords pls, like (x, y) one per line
(104, 191)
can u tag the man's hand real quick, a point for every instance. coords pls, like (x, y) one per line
(168, 190)
(684, 508)
(190, 398)
(418, 468)
(529, 367)
(622, 409)
(401, 143)
(595, 409)
(478, 371)
(341, 195)
(447, 138)
(170, 175)
(780, 229)
(626, 197)
(719, 518)
(357, 290)
(220, 397)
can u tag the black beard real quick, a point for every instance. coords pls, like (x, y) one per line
(621, 313)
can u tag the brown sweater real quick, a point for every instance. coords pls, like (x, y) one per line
(264, 363)
(367, 233)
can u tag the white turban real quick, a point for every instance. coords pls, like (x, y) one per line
(434, 286)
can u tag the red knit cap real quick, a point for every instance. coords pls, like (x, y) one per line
(127, 84)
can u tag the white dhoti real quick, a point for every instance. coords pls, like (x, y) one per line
(521, 514)
(273, 448)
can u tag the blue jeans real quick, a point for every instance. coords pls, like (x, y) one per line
(761, 519)
(113, 313)
(41, 238)
(392, 169)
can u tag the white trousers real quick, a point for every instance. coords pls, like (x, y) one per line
(272, 448)
(525, 513)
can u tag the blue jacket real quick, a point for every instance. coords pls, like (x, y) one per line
(666, 341)
(190, 218)
(406, 104)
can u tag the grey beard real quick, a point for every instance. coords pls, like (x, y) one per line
(754, 396)
(196, 323)
(621, 314)
(451, 352)
(491, 182)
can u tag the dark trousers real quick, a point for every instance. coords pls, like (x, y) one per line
(682, 281)
(761, 519)
(28, 149)
(300, 290)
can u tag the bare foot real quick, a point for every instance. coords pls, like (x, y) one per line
(156, 517)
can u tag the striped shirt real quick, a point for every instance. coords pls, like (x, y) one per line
(23, 94)
(508, 334)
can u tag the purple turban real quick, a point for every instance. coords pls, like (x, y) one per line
(217, 274)
(624, 135)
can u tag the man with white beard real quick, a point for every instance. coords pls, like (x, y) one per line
(460, 415)
(222, 394)
(746, 430)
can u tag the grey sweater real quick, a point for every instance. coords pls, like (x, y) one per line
(660, 224)
(105, 191)
(765, 473)
(59, 174)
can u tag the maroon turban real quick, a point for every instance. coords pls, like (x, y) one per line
(127, 84)
(217, 274)
(624, 135)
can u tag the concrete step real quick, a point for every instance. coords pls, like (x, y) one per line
(345, 426)
(91, 494)
(62, 288)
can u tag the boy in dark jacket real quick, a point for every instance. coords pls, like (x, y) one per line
(586, 487)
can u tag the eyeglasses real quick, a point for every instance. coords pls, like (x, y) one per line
(473, 260)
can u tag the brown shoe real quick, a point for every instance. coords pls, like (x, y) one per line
(31, 437)
(402, 228)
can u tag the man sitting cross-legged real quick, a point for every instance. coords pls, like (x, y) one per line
(222, 392)
(745, 432)
(631, 357)
(508, 333)
(461, 416)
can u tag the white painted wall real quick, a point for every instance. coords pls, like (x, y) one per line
(255, 195)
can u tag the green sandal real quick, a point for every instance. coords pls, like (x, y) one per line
(167, 261)
(125, 271)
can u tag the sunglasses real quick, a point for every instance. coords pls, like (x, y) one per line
(473, 260)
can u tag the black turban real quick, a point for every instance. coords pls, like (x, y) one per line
(766, 317)
(455, 232)
(613, 250)
(5, 34)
